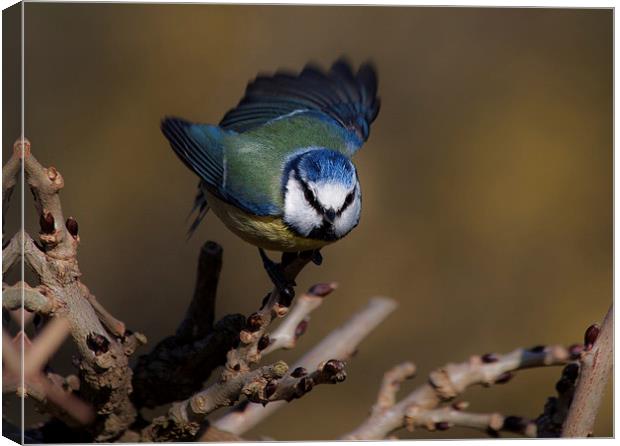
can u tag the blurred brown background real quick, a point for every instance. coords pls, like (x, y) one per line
(487, 178)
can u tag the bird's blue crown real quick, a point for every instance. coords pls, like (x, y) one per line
(325, 165)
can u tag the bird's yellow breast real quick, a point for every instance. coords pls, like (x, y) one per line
(262, 231)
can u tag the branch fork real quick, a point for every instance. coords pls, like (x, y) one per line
(422, 406)
(61, 296)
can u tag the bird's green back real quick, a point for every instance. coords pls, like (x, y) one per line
(254, 160)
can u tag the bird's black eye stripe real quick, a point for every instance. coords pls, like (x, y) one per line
(347, 202)
(309, 196)
(312, 200)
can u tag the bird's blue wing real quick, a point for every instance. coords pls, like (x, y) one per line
(201, 148)
(197, 145)
(348, 99)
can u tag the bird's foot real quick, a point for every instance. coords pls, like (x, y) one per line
(275, 271)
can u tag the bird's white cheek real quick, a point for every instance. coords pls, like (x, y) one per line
(298, 213)
(348, 219)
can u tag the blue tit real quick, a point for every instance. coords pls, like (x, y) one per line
(277, 169)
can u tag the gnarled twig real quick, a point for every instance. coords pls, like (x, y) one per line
(299, 382)
(339, 344)
(34, 299)
(248, 352)
(185, 418)
(392, 379)
(10, 172)
(296, 321)
(104, 370)
(447, 382)
(450, 416)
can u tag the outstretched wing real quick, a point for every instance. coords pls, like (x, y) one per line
(349, 100)
(200, 147)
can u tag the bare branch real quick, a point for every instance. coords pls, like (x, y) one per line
(296, 321)
(11, 253)
(595, 367)
(447, 417)
(240, 359)
(34, 299)
(34, 256)
(11, 170)
(183, 420)
(339, 344)
(298, 382)
(114, 326)
(104, 370)
(392, 379)
(447, 382)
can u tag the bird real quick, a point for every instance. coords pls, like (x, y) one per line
(277, 170)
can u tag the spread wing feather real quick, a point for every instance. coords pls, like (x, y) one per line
(197, 146)
(348, 99)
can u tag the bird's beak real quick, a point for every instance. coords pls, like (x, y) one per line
(330, 215)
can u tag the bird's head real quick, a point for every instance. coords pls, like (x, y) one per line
(322, 196)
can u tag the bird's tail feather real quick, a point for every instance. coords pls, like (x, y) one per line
(201, 207)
